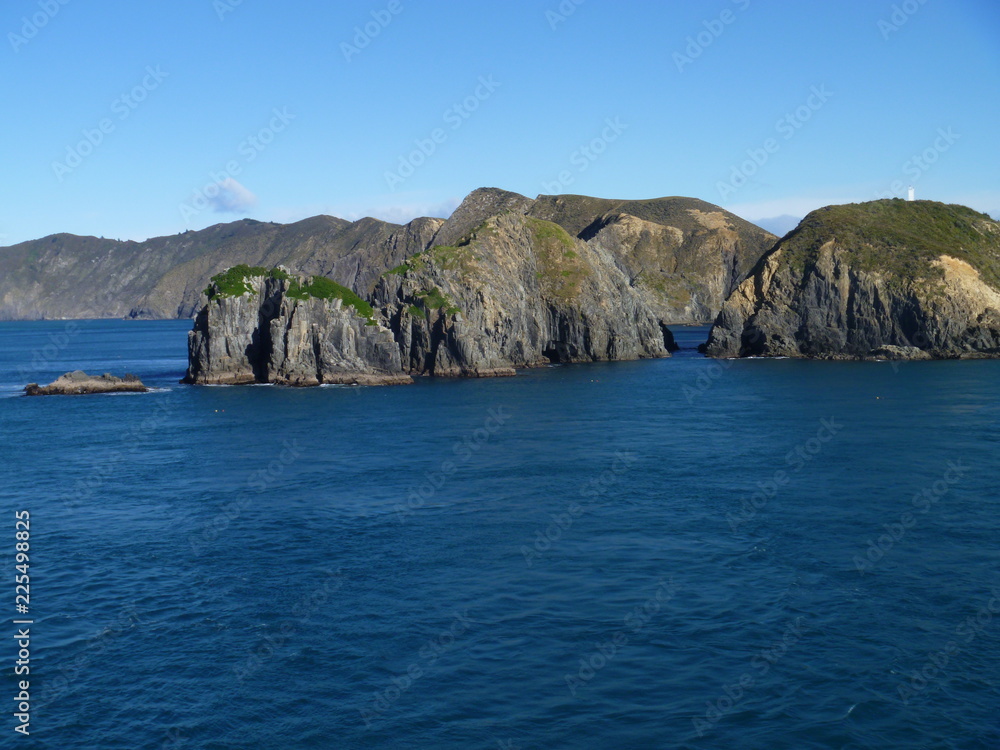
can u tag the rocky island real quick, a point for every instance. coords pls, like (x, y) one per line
(268, 326)
(507, 282)
(79, 383)
(888, 279)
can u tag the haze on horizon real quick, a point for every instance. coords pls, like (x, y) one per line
(207, 111)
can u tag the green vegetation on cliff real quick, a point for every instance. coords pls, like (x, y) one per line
(435, 299)
(899, 238)
(320, 287)
(560, 268)
(235, 282)
(546, 231)
(448, 257)
(414, 262)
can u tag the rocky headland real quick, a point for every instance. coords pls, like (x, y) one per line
(78, 383)
(507, 282)
(889, 279)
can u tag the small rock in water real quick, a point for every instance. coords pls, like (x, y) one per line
(78, 382)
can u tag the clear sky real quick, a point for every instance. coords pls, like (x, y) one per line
(134, 119)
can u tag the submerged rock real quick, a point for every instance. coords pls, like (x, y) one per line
(883, 280)
(78, 382)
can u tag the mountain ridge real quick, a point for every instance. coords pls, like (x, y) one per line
(70, 276)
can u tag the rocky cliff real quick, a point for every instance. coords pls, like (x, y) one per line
(506, 282)
(515, 292)
(267, 326)
(684, 256)
(886, 279)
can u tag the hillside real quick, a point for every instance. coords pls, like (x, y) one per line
(66, 276)
(683, 255)
(886, 279)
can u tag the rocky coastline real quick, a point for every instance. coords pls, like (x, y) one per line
(512, 283)
(887, 280)
(507, 283)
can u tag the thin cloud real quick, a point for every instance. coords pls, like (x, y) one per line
(231, 198)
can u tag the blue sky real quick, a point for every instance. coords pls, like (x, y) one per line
(132, 120)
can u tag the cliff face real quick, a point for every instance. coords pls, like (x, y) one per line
(274, 331)
(888, 279)
(515, 292)
(683, 256)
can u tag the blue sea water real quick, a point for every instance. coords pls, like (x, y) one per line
(676, 553)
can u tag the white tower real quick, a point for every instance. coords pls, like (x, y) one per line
(910, 195)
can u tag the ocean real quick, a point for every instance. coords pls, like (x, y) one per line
(674, 553)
